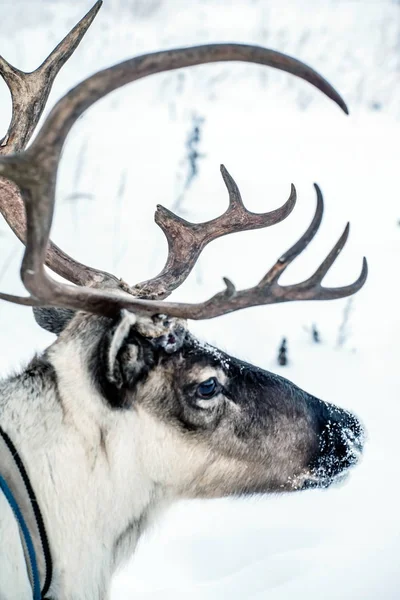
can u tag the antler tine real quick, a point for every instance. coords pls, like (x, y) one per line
(288, 257)
(313, 282)
(29, 94)
(187, 240)
(30, 91)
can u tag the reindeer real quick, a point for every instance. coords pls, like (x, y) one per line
(127, 411)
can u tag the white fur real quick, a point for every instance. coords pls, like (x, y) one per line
(14, 581)
(97, 474)
(88, 496)
(120, 334)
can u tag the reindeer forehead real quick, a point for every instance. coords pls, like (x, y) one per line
(204, 357)
(202, 372)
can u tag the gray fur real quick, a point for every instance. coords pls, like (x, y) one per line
(52, 319)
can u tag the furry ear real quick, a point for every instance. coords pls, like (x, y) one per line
(53, 319)
(122, 359)
(129, 349)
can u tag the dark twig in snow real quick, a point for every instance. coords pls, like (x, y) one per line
(315, 334)
(192, 159)
(282, 353)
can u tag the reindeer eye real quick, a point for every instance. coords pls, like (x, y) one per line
(208, 389)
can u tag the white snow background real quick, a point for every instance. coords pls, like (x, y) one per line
(128, 153)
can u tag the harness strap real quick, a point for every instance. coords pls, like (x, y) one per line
(26, 536)
(28, 502)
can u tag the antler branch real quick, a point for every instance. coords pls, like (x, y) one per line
(30, 91)
(46, 291)
(187, 240)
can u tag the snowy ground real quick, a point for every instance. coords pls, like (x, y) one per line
(269, 130)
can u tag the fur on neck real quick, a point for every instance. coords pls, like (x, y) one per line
(85, 462)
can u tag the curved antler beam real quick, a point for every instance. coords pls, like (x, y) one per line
(67, 110)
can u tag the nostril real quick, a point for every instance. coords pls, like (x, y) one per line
(341, 441)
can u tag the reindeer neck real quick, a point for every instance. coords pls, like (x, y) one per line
(83, 464)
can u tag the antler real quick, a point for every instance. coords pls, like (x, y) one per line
(46, 291)
(35, 171)
(187, 240)
(268, 290)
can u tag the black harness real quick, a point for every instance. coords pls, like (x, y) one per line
(14, 483)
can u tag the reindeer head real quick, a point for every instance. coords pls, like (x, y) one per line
(209, 424)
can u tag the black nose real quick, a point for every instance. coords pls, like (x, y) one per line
(341, 440)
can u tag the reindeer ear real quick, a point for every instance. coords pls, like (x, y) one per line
(127, 355)
(53, 319)
(129, 349)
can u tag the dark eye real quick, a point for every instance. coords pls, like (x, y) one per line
(208, 389)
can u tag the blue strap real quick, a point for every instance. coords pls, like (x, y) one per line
(27, 537)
